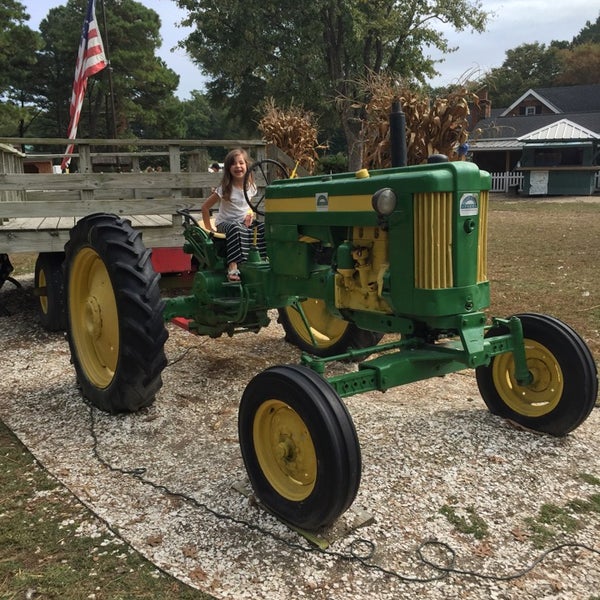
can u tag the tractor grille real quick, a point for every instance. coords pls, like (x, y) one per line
(433, 245)
(433, 240)
(483, 237)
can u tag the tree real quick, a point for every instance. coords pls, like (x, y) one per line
(580, 66)
(17, 58)
(590, 34)
(143, 85)
(526, 66)
(316, 54)
(580, 62)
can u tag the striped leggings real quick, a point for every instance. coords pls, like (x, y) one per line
(239, 239)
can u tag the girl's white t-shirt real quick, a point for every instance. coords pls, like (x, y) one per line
(236, 209)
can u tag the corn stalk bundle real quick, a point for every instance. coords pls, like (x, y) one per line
(432, 126)
(293, 130)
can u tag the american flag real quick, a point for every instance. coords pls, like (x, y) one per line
(90, 60)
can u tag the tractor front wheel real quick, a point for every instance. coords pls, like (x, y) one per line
(299, 446)
(116, 330)
(564, 379)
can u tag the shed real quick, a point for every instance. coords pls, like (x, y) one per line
(560, 159)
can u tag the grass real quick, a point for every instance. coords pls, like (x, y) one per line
(543, 257)
(471, 524)
(51, 546)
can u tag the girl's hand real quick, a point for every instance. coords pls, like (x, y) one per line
(248, 219)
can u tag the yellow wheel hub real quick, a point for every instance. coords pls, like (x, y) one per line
(94, 318)
(544, 392)
(42, 283)
(325, 328)
(285, 450)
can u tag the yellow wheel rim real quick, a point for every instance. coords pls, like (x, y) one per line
(94, 318)
(539, 397)
(325, 328)
(42, 283)
(285, 450)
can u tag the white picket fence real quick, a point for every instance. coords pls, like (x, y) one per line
(502, 182)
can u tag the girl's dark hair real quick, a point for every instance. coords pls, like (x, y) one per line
(226, 181)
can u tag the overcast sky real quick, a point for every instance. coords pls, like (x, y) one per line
(514, 22)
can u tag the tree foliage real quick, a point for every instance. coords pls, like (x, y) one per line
(590, 33)
(580, 66)
(534, 65)
(317, 53)
(17, 58)
(143, 85)
(526, 66)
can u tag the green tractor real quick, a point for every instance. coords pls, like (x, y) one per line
(352, 257)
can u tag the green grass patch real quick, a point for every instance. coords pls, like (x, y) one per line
(591, 479)
(553, 522)
(51, 546)
(471, 524)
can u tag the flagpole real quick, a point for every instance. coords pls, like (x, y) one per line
(111, 89)
(90, 60)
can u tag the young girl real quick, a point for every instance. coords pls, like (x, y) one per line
(235, 218)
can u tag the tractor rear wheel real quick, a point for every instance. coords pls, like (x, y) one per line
(49, 287)
(564, 384)
(116, 330)
(299, 446)
(326, 335)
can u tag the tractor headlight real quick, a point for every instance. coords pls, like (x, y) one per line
(384, 202)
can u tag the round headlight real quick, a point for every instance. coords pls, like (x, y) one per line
(384, 201)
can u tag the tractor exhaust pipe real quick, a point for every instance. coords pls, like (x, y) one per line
(397, 135)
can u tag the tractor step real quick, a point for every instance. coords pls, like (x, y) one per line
(226, 302)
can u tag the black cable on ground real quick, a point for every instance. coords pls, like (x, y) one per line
(360, 549)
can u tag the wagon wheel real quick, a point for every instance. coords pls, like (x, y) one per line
(49, 287)
(564, 382)
(264, 173)
(299, 446)
(312, 328)
(115, 326)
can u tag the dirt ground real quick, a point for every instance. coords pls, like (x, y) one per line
(443, 481)
(499, 512)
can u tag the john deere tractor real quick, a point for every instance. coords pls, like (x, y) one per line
(352, 257)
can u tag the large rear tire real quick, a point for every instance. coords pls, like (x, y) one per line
(299, 446)
(564, 384)
(49, 287)
(326, 335)
(116, 330)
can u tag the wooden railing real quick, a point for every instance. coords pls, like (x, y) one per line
(38, 209)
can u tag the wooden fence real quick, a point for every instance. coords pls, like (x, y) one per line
(503, 182)
(37, 209)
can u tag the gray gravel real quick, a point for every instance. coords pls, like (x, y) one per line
(429, 449)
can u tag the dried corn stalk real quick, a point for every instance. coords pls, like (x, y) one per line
(432, 126)
(293, 131)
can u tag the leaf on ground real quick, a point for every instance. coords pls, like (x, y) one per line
(519, 534)
(154, 540)
(190, 551)
(197, 575)
(483, 549)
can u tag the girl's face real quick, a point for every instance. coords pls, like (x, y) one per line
(238, 167)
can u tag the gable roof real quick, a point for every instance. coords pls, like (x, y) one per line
(517, 127)
(563, 130)
(565, 99)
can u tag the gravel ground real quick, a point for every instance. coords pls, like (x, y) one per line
(429, 449)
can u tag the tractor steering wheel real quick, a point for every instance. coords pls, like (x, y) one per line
(264, 173)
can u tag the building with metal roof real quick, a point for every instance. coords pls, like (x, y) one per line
(530, 133)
